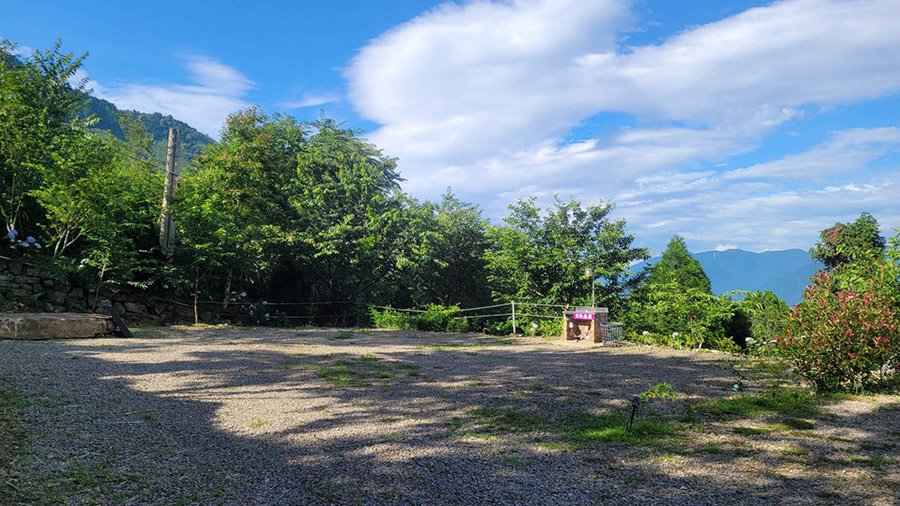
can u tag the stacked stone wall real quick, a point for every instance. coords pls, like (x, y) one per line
(24, 287)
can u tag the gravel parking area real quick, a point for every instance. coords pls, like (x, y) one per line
(188, 415)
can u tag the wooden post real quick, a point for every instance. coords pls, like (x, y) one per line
(514, 317)
(166, 222)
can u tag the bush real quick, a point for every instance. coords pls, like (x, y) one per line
(842, 339)
(391, 319)
(768, 317)
(434, 318)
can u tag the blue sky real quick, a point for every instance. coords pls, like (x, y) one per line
(733, 123)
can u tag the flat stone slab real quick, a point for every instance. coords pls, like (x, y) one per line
(40, 326)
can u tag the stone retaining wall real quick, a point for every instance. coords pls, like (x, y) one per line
(26, 289)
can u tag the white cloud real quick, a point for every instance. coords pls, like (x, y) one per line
(481, 96)
(312, 99)
(217, 90)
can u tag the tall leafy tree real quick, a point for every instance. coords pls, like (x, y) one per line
(443, 263)
(38, 102)
(534, 258)
(233, 214)
(347, 198)
(844, 243)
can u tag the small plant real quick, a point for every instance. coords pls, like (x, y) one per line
(661, 391)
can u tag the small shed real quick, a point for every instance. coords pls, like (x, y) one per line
(585, 323)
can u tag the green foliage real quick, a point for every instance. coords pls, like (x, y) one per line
(768, 318)
(434, 318)
(662, 391)
(686, 317)
(843, 339)
(845, 243)
(37, 106)
(777, 401)
(677, 266)
(92, 202)
(675, 306)
(444, 258)
(543, 259)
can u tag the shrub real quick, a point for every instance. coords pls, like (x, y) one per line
(768, 318)
(842, 339)
(434, 318)
(390, 318)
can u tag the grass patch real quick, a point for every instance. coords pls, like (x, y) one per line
(750, 431)
(362, 371)
(343, 335)
(255, 424)
(799, 424)
(574, 429)
(508, 420)
(148, 334)
(12, 438)
(779, 401)
(794, 452)
(449, 346)
(496, 340)
(582, 428)
(875, 462)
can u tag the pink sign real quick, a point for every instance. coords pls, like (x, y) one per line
(583, 316)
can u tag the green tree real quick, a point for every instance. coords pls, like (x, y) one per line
(234, 217)
(848, 242)
(677, 266)
(38, 103)
(542, 259)
(445, 262)
(350, 211)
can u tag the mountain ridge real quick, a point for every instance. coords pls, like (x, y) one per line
(785, 272)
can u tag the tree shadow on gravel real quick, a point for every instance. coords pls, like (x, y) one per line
(385, 419)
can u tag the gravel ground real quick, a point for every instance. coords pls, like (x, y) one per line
(209, 415)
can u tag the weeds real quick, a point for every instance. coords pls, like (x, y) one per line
(361, 371)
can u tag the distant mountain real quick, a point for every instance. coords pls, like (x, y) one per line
(192, 141)
(784, 272)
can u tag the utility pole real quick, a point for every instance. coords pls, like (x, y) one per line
(166, 222)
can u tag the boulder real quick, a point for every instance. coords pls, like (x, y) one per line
(57, 297)
(134, 307)
(40, 326)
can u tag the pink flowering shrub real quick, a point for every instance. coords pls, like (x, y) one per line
(842, 339)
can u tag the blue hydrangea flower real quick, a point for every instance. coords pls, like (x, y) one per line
(30, 239)
(23, 244)
(37, 245)
(12, 234)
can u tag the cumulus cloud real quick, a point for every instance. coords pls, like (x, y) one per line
(216, 90)
(485, 96)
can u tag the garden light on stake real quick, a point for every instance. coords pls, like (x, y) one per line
(635, 402)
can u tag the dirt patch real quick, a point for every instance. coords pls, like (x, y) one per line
(247, 415)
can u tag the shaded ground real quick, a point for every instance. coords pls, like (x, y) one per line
(263, 416)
